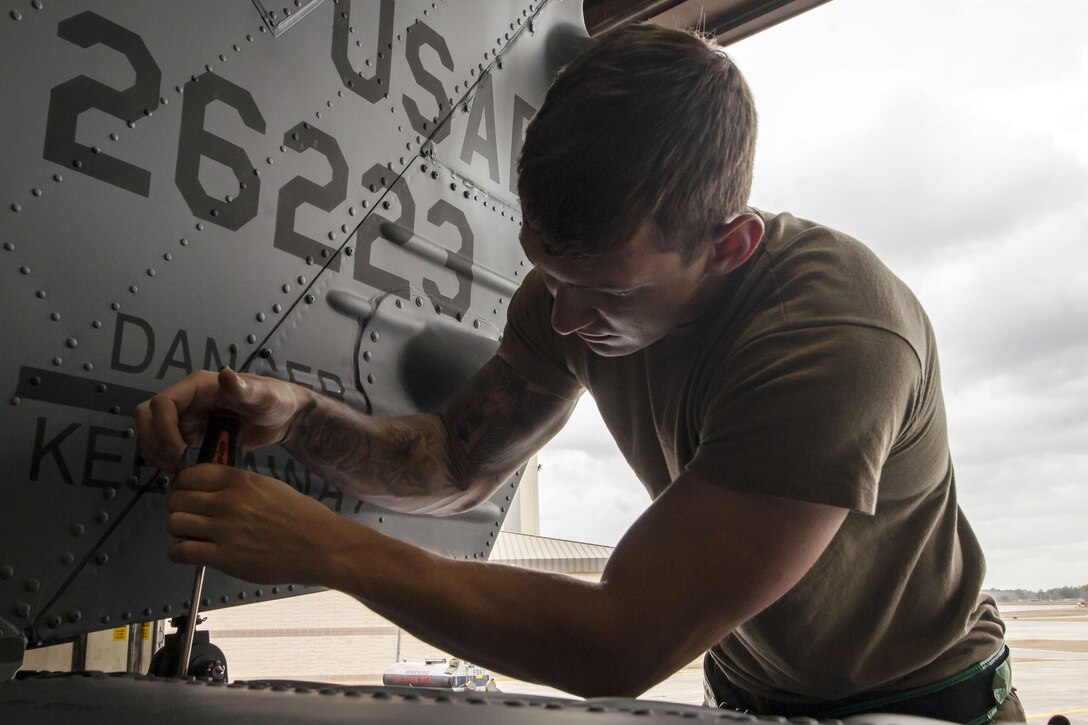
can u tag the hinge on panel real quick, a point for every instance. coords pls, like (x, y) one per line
(280, 15)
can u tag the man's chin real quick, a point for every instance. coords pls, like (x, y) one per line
(610, 346)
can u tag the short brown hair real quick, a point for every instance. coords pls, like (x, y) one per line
(649, 124)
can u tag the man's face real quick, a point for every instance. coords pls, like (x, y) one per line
(621, 301)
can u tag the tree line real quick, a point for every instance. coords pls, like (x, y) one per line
(1046, 595)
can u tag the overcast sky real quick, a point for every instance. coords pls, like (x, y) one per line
(952, 138)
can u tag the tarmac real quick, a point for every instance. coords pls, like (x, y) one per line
(1049, 645)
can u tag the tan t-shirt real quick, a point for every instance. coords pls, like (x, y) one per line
(814, 377)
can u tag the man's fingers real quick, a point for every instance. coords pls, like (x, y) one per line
(189, 526)
(202, 503)
(160, 438)
(192, 552)
(207, 477)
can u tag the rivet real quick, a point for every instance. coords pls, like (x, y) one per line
(309, 299)
(97, 324)
(241, 595)
(133, 288)
(16, 15)
(370, 378)
(77, 530)
(367, 356)
(258, 592)
(9, 247)
(266, 353)
(53, 622)
(468, 194)
(147, 611)
(7, 572)
(419, 301)
(131, 480)
(114, 137)
(131, 124)
(115, 306)
(277, 308)
(324, 253)
(109, 492)
(275, 590)
(386, 205)
(399, 304)
(115, 409)
(104, 619)
(58, 178)
(76, 163)
(71, 342)
(129, 433)
(476, 324)
(15, 400)
(126, 615)
(215, 212)
(168, 608)
(32, 585)
(57, 362)
(349, 251)
(75, 616)
(101, 517)
(22, 609)
(224, 599)
(54, 316)
(381, 519)
(290, 587)
(374, 336)
(200, 226)
(251, 338)
(301, 279)
(286, 288)
(24, 269)
(438, 309)
(67, 558)
(96, 150)
(434, 174)
(102, 558)
(101, 387)
(36, 191)
(260, 317)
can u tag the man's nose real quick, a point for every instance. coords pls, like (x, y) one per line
(568, 314)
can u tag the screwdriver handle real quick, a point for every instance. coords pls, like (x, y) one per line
(222, 441)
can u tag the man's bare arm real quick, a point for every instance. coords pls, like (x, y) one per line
(431, 463)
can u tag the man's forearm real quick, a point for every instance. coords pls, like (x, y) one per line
(534, 626)
(398, 463)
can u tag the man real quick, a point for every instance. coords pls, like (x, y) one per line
(774, 387)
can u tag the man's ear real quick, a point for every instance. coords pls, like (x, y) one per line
(734, 242)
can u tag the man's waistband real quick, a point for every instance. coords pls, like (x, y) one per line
(971, 696)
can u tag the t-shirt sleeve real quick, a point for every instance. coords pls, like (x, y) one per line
(530, 346)
(809, 414)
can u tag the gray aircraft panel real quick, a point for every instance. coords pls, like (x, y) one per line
(191, 185)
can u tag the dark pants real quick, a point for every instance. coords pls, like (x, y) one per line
(720, 692)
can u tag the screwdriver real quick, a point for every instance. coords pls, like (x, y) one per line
(220, 445)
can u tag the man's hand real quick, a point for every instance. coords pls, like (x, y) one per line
(250, 526)
(174, 419)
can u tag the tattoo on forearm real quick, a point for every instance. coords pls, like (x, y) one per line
(484, 433)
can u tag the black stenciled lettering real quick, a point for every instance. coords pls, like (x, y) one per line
(334, 493)
(370, 231)
(196, 142)
(302, 485)
(292, 368)
(42, 448)
(94, 455)
(70, 99)
(376, 86)
(299, 191)
(459, 262)
(325, 378)
(483, 109)
(523, 111)
(184, 363)
(421, 35)
(249, 462)
(121, 336)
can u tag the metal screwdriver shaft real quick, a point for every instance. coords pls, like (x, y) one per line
(220, 445)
